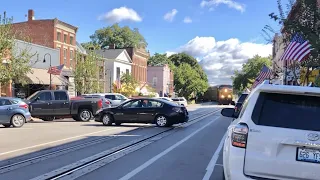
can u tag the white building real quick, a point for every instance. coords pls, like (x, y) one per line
(117, 62)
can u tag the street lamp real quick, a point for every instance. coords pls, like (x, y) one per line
(44, 60)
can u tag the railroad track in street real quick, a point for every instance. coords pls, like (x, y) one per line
(89, 164)
(13, 164)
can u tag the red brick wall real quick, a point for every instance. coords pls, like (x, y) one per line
(38, 32)
(62, 47)
(139, 67)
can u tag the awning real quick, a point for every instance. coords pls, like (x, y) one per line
(41, 76)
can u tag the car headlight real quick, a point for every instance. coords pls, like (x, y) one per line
(225, 90)
(229, 96)
(222, 96)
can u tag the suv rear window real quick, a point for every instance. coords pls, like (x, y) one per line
(242, 98)
(112, 97)
(287, 111)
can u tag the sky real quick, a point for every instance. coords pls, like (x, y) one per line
(221, 34)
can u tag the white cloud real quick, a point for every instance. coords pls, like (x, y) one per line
(187, 20)
(230, 3)
(121, 14)
(219, 59)
(169, 16)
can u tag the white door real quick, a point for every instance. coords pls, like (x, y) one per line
(283, 140)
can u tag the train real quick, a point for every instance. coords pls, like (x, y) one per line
(223, 94)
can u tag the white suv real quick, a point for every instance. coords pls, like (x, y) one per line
(276, 135)
(181, 101)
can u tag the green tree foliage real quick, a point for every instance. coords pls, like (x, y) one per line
(189, 77)
(304, 18)
(158, 60)
(250, 70)
(15, 63)
(90, 46)
(120, 36)
(86, 77)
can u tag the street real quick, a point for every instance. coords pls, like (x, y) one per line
(65, 149)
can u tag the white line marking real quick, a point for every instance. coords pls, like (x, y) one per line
(43, 144)
(152, 160)
(213, 160)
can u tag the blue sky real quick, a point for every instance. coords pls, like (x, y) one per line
(240, 19)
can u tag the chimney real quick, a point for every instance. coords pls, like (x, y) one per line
(30, 15)
(112, 46)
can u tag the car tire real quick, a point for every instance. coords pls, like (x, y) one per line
(161, 121)
(75, 118)
(107, 119)
(6, 125)
(18, 120)
(84, 115)
(117, 123)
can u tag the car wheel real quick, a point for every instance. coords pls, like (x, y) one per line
(107, 119)
(162, 121)
(117, 123)
(85, 115)
(6, 125)
(18, 120)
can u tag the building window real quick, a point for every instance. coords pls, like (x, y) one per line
(59, 36)
(71, 54)
(118, 73)
(127, 71)
(64, 56)
(154, 81)
(65, 38)
(71, 40)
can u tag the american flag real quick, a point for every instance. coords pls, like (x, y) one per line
(297, 50)
(265, 73)
(56, 70)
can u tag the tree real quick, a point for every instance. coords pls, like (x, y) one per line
(128, 85)
(86, 77)
(158, 60)
(304, 18)
(250, 70)
(188, 81)
(122, 37)
(15, 64)
(90, 46)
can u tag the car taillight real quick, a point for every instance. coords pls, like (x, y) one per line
(239, 135)
(108, 102)
(25, 106)
(100, 104)
(177, 109)
(235, 108)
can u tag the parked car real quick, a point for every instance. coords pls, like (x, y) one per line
(115, 98)
(275, 136)
(144, 110)
(168, 99)
(238, 105)
(48, 104)
(181, 100)
(13, 112)
(106, 103)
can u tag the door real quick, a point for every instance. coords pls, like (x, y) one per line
(129, 111)
(42, 106)
(61, 103)
(283, 140)
(149, 110)
(5, 107)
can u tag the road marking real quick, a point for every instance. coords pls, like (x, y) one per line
(213, 160)
(51, 142)
(155, 158)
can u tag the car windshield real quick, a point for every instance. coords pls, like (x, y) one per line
(242, 98)
(32, 96)
(287, 111)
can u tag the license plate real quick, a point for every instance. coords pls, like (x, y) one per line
(308, 155)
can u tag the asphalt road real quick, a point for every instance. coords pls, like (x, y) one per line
(188, 152)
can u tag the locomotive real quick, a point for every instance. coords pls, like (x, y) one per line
(223, 94)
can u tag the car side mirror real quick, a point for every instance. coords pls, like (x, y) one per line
(228, 112)
(233, 103)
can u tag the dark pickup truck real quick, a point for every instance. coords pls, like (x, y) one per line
(50, 104)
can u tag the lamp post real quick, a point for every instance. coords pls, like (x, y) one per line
(44, 60)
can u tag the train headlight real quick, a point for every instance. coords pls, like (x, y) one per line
(229, 96)
(225, 90)
(222, 96)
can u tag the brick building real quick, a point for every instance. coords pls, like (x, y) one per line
(51, 33)
(139, 58)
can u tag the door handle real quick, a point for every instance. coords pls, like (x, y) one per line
(10, 108)
(66, 103)
(49, 103)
